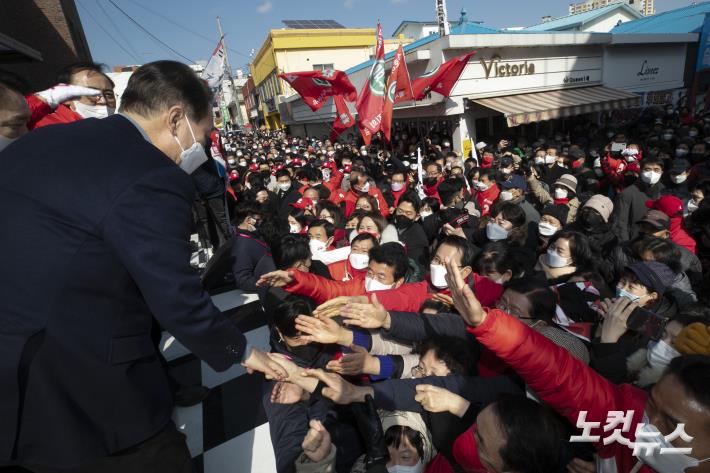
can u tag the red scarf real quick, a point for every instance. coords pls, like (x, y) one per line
(561, 201)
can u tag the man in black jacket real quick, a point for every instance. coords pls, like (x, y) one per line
(92, 257)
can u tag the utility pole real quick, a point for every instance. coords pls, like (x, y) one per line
(229, 74)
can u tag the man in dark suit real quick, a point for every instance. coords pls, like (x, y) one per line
(96, 223)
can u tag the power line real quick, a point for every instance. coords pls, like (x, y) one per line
(91, 15)
(195, 33)
(149, 33)
(118, 30)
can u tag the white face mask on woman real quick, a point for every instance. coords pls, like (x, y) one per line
(418, 468)
(556, 261)
(546, 229)
(495, 232)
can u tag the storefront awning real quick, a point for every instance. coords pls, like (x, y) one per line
(540, 106)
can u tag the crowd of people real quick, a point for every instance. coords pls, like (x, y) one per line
(478, 311)
(538, 306)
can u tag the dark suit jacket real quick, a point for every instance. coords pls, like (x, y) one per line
(96, 223)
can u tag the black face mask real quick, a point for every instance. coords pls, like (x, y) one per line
(402, 222)
(266, 174)
(430, 181)
(307, 353)
(590, 219)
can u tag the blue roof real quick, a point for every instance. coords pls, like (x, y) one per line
(682, 20)
(465, 28)
(577, 19)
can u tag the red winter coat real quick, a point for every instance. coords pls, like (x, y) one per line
(398, 194)
(562, 381)
(344, 271)
(486, 199)
(680, 237)
(410, 297)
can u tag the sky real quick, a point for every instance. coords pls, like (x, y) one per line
(190, 27)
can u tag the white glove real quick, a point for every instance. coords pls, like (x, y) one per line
(60, 93)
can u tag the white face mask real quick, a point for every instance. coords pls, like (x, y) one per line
(364, 189)
(326, 175)
(363, 152)
(692, 206)
(437, 274)
(5, 142)
(359, 260)
(679, 152)
(424, 214)
(550, 159)
(679, 178)
(693, 133)
(92, 111)
(506, 170)
(316, 246)
(506, 195)
(666, 463)
(546, 229)
(192, 157)
(539, 159)
(294, 228)
(284, 186)
(556, 261)
(650, 177)
(372, 285)
(561, 193)
(397, 186)
(481, 186)
(418, 468)
(495, 232)
(659, 354)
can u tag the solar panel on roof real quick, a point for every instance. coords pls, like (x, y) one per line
(312, 24)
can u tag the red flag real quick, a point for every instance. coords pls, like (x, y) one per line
(372, 96)
(316, 86)
(399, 89)
(442, 79)
(343, 118)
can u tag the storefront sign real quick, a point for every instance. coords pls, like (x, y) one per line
(576, 79)
(645, 68)
(703, 60)
(494, 68)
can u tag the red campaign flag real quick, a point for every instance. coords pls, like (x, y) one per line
(442, 79)
(399, 89)
(372, 96)
(316, 86)
(343, 118)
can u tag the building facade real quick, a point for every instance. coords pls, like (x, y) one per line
(292, 50)
(51, 27)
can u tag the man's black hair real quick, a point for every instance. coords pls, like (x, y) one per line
(393, 255)
(65, 74)
(290, 250)
(286, 313)
(693, 371)
(460, 355)
(464, 248)
(159, 85)
(449, 189)
(327, 226)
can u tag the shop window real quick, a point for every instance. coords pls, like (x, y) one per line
(323, 67)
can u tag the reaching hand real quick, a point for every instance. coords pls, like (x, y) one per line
(366, 315)
(614, 325)
(325, 331)
(464, 300)
(332, 307)
(316, 445)
(449, 230)
(444, 299)
(355, 363)
(436, 399)
(337, 389)
(61, 93)
(261, 362)
(284, 392)
(276, 279)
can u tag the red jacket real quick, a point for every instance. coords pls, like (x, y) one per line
(321, 289)
(398, 194)
(680, 237)
(351, 199)
(486, 199)
(562, 381)
(344, 271)
(410, 297)
(43, 115)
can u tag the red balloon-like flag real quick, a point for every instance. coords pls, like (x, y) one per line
(372, 96)
(316, 86)
(343, 118)
(399, 89)
(442, 78)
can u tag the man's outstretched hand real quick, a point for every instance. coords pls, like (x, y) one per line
(263, 363)
(61, 93)
(464, 300)
(275, 279)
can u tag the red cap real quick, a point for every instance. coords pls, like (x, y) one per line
(668, 204)
(302, 203)
(233, 175)
(328, 165)
(347, 168)
(297, 162)
(253, 167)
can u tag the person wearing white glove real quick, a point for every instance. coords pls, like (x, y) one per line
(84, 91)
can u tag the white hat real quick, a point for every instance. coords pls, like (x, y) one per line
(481, 145)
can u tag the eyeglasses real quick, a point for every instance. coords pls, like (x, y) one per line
(437, 261)
(418, 371)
